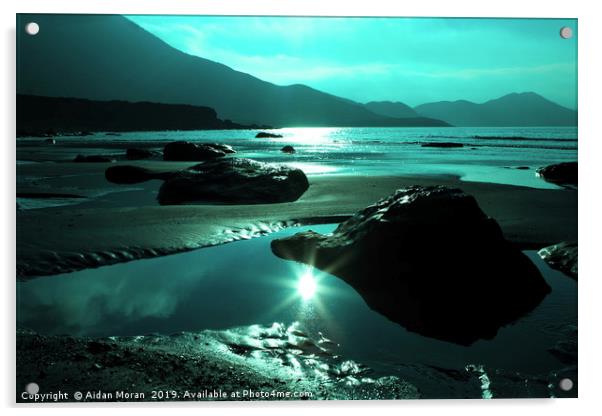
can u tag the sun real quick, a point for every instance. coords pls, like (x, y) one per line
(307, 286)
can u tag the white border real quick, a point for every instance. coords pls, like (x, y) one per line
(590, 137)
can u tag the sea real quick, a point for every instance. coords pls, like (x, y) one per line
(506, 155)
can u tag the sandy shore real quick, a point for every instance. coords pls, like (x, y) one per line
(247, 363)
(62, 239)
(115, 223)
(102, 223)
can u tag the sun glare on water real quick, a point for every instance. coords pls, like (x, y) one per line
(307, 286)
(309, 135)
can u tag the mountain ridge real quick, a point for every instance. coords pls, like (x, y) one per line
(109, 57)
(510, 110)
(391, 109)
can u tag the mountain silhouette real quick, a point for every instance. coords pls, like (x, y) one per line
(47, 115)
(391, 109)
(524, 109)
(108, 57)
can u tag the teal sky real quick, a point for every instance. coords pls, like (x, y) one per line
(398, 59)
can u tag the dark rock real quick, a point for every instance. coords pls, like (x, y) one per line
(522, 167)
(442, 144)
(429, 259)
(186, 151)
(264, 135)
(112, 134)
(139, 154)
(92, 159)
(288, 149)
(126, 174)
(234, 181)
(223, 147)
(560, 174)
(561, 256)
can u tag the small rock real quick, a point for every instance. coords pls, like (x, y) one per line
(562, 256)
(265, 135)
(288, 149)
(442, 144)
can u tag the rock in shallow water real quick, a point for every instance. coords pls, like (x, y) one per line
(442, 144)
(560, 174)
(265, 135)
(186, 151)
(288, 149)
(429, 259)
(234, 181)
(562, 256)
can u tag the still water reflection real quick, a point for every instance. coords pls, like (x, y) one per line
(242, 283)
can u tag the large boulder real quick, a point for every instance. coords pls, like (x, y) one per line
(560, 174)
(429, 259)
(234, 181)
(562, 256)
(187, 151)
(126, 174)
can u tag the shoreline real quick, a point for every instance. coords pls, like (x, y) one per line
(63, 239)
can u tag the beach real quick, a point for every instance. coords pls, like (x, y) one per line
(115, 223)
(311, 211)
(70, 218)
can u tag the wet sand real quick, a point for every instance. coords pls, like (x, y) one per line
(247, 363)
(120, 223)
(104, 223)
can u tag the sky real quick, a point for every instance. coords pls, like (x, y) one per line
(412, 60)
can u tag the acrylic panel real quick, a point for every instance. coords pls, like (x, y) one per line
(295, 208)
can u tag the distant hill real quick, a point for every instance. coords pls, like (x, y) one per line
(391, 109)
(108, 57)
(37, 115)
(525, 109)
